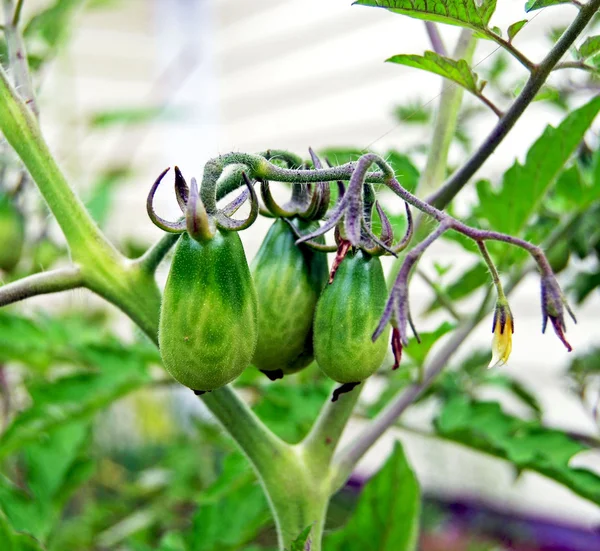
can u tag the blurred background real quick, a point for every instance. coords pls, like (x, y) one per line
(135, 86)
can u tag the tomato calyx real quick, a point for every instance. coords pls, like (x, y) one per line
(274, 374)
(201, 218)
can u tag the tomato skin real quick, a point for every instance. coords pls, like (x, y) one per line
(288, 279)
(347, 313)
(208, 320)
(12, 232)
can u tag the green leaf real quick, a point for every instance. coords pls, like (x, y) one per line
(52, 25)
(590, 47)
(585, 283)
(457, 71)
(464, 13)
(532, 5)
(75, 397)
(515, 28)
(302, 542)
(108, 370)
(231, 512)
(487, 9)
(54, 469)
(418, 352)
(574, 191)
(524, 186)
(289, 410)
(473, 278)
(13, 541)
(387, 515)
(526, 444)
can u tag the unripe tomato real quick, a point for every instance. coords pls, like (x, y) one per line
(347, 313)
(12, 233)
(208, 319)
(288, 280)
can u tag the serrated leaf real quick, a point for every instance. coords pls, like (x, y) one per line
(590, 47)
(464, 13)
(532, 5)
(487, 9)
(387, 515)
(526, 444)
(109, 370)
(302, 542)
(418, 352)
(524, 186)
(456, 71)
(515, 28)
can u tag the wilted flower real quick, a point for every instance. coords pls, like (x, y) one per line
(503, 327)
(553, 306)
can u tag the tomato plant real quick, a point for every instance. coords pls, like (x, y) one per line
(314, 305)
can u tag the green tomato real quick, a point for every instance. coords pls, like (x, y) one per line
(347, 314)
(12, 233)
(208, 319)
(288, 279)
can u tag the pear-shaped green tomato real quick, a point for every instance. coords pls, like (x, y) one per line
(208, 318)
(12, 233)
(288, 280)
(347, 314)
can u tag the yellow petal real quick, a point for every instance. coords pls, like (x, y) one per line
(501, 344)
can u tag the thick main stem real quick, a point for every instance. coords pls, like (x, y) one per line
(446, 120)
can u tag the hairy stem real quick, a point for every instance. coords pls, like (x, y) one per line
(41, 284)
(347, 458)
(151, 259)
(17, 56)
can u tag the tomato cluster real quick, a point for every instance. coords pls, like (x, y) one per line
(218, 316)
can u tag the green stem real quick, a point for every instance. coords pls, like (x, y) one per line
(492, 268)
(320, 444)
(41, 284)
(22, 132)
(151, 259)
(17, 55)
(445, 122)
